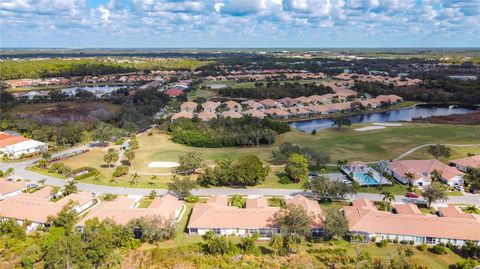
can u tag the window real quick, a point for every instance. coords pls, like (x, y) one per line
(193, 231)
(217, 231)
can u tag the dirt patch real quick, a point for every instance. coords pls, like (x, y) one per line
(60, 113)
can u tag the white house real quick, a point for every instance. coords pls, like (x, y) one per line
(16, 146)
(11, 188)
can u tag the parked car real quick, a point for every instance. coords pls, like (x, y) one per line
(459, 188)
(411, 195)
(313, 174)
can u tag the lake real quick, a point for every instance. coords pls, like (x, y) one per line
(392, 115)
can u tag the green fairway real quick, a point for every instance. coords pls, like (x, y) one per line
(345, 143)
(457, 152)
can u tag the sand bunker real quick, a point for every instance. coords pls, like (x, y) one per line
(163, 164)
(387, 124)
(369, 128)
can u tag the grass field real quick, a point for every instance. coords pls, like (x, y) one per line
(457, 152)
(345, 143)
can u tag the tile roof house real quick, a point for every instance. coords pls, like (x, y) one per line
(182, 114)
(463, 164)
(298, 111)
(422, 172)
(287, 101)
(269, 103)
(373, 224)
(257, 217)
(188, 106)
(206, 115)
(407, 209)
(252, 104)
(210, 106)
(36, 210)
(122, 210)
(277, 113)
(11, 188)
(15, 146)
(302, 100)
(233, 106)
(173, 92)
(254, 113)
(453, 211)
(231, 114)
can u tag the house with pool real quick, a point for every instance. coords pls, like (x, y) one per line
(363, 174)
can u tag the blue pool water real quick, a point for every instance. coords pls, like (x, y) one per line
(366, 180)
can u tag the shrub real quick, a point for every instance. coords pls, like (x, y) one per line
(192, 199)
(110, 197)
(373, 239)
(90, 172)
(403, 242)
(411, 242)
(382, 243)
(422, 247)
(120, 171)
(395, 241)
(60, 168)
(439, 249)
(284, 180)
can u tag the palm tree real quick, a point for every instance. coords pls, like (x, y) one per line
(134, 180)
(370, 175)
(388, 197)
(410, 176)
(436, 175)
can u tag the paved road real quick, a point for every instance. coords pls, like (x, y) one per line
(21, 172)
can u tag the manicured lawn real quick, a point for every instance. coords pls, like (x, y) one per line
(345, 143)
(396, 189)
(457, 152)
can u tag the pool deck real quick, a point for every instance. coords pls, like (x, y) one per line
(376, 176)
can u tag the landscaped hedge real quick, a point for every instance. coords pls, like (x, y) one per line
(91, 172)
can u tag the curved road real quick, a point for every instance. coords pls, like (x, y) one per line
(20, 171)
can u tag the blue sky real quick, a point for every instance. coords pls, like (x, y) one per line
(239, 23)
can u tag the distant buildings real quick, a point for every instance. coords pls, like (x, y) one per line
(16, 146)
(463, 164)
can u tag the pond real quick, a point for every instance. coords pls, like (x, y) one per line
(406, 114)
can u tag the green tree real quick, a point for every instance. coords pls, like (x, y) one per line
(66, 252)
(190, 163)
(276, 243)
(237, 201)
(153, 229)
(130, 155)
(388, 197)
(66, 218)
(214, 244)
(134, 179)
(323, 187)
(182, 187)
(341, 121)
(294, 220)
(110, 157)
(438, 151)
(336, 225)
(250, 171)
(70, 187)
(153, 194)
(297, 168)
(436, 175)
(433, 193)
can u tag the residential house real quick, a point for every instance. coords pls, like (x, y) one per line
(16, 146)
(409, 225)
(287, 101)
(10, 188)
(122, 210)
(210, 106)
(254, 113)
(269, 103)
(182, 114)
(421, 172)
(206, 115)
(231, 114)
(252, 104)
(233, 106)
(257, 216)
(463, 164)
(302, 100)
(173, 92)
(36, 208)
(453, 211)
(277, 113)
(299, 112)
(188, 106)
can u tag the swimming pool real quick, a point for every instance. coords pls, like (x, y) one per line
(365, 179)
